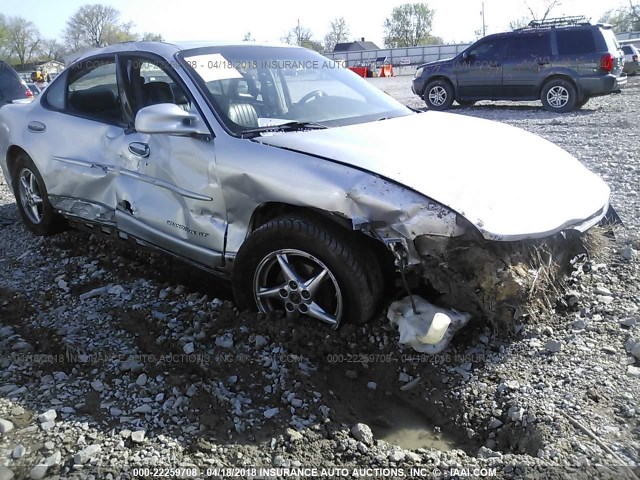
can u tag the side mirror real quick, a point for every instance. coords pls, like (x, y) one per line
(468, 57)
(170, 119)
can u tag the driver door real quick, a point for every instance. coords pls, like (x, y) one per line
(170, 195)
(480, 73)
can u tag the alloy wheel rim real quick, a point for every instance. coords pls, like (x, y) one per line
(30, 196)
(300, 284)
(558, 96)
(437, 95)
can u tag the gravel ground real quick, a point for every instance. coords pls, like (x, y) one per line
(115, 360)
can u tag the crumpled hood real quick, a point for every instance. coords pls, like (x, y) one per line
(509, 183)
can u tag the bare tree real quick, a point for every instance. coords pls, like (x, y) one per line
(23, 38)
(303, 37)
(51, 50)
(95, 26)
(338, 33)
(248, 37)
(548, 7)
(409, 25)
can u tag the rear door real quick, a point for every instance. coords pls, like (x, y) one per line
(82, 125)
(480, 74)
(527, 59)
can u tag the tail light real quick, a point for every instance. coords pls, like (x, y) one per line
(28, 93)
(606, 62)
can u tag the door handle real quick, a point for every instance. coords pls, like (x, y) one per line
(36, 127)
(140, 149)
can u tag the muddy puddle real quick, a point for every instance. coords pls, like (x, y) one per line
(410, 430)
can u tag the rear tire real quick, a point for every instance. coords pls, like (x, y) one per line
(275, 267)
(438, 95)
(559, 96)
(33, 200)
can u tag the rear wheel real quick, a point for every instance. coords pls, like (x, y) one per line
(559, 96)
(438, 95)
(306, 269)
(32, 199)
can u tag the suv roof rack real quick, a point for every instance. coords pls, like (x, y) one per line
(559, 22)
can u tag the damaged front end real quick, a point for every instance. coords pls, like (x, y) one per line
(501, 281)
(491, 277)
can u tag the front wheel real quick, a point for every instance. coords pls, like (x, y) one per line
(438, 95)
(32, 199)
(306, 269)
(559, 96)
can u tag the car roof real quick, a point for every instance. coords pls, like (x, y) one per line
(168, 50)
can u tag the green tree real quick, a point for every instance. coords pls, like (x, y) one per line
(409, 25)
(338, 33)
(5, 50)
(152, 37)
(623, 19)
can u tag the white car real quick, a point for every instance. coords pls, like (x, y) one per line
(310, 192)
(631, 59)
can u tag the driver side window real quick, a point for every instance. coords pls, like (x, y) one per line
(489, 50)
(151, 84)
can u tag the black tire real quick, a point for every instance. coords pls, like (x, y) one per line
(39, 217)
(353, 280)
(582, 102)
(559, 96)
(438, 95)
(466, 103)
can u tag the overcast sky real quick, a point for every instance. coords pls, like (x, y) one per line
(455, 20)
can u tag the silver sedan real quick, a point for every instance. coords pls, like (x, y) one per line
(309, 191)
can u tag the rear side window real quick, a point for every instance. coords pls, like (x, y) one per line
(93, 91)
(610, 39)
(575, 42)
(529, 45)
(626, 49)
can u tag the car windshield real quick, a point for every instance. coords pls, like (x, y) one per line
(252, 87)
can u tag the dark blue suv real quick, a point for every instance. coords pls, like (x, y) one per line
(562, 62)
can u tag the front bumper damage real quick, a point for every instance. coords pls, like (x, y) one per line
(499, 281)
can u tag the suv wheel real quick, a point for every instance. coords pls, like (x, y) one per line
(559, 96)
(438, 95)
(306, 269)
